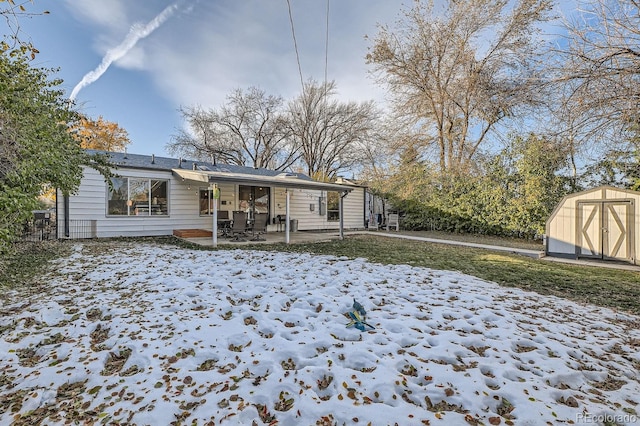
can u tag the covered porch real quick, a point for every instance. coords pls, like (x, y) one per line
(286, 182)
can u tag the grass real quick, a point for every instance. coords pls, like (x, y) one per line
(480, 239)
(21, 269)
(612, 288)
(600, 286)
(617, 289)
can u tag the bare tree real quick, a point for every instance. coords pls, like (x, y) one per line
(600, 73)
(250, 129)
(568, 127)
(332, 134)
(200, 140)
(457, 73)
(384, 154)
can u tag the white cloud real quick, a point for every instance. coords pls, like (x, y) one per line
(211, 48)
(138, 31)
(228, 44)
(107, 14)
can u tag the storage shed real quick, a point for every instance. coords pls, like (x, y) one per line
(599, 223)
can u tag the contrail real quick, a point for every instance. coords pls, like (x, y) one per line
(136, 32)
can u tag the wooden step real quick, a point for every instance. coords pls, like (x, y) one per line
(191, 233)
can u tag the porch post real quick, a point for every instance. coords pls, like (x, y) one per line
(286, 217)
(214, 225)
(341, 207)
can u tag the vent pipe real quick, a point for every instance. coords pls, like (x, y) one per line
(153, 159)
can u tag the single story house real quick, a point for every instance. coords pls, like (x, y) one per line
(599, 223)
(152, 196)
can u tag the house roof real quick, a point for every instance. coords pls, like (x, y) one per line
(138, 161)
(202, 171)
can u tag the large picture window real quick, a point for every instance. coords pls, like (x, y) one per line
(137, 197)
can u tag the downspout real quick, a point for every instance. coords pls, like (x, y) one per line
(57, 223)
(66, 216)
(365, 220)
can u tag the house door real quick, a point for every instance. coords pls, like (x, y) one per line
(605, 230)
(253, 199)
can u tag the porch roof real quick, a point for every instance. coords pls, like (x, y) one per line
(284, 180)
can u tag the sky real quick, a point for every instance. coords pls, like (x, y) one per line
(148, 334)
(137, 62)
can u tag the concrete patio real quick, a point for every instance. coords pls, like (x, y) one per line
(269, 237)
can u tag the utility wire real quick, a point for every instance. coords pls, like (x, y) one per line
(326, 86)
(326, 47)
(295, 45)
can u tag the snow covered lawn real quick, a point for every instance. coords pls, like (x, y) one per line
(146, 334)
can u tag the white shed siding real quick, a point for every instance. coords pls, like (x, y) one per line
(595, 194)
(562, 232)
(562, 225)
(612, 193)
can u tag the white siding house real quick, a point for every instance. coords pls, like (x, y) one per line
(600, 223)
(310, 208)
(155, 195)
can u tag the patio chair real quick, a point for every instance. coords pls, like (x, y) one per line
(239, 227)
(224, 223)
(393, 220)
(259, 226)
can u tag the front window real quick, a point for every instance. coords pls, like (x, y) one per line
(333, 206)
(137, 197)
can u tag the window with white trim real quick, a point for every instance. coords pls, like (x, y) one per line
(333, 206)
(137, 197)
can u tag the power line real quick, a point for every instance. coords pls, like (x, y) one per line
(326, 47)
(295, 45)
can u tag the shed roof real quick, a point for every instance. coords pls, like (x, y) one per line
(602, 188)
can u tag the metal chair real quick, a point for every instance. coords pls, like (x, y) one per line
(239, 227)
(224, 223)
(259, 226)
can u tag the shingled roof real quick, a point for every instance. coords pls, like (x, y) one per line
(152, 162)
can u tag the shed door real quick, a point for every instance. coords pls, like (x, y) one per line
(605, 230)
